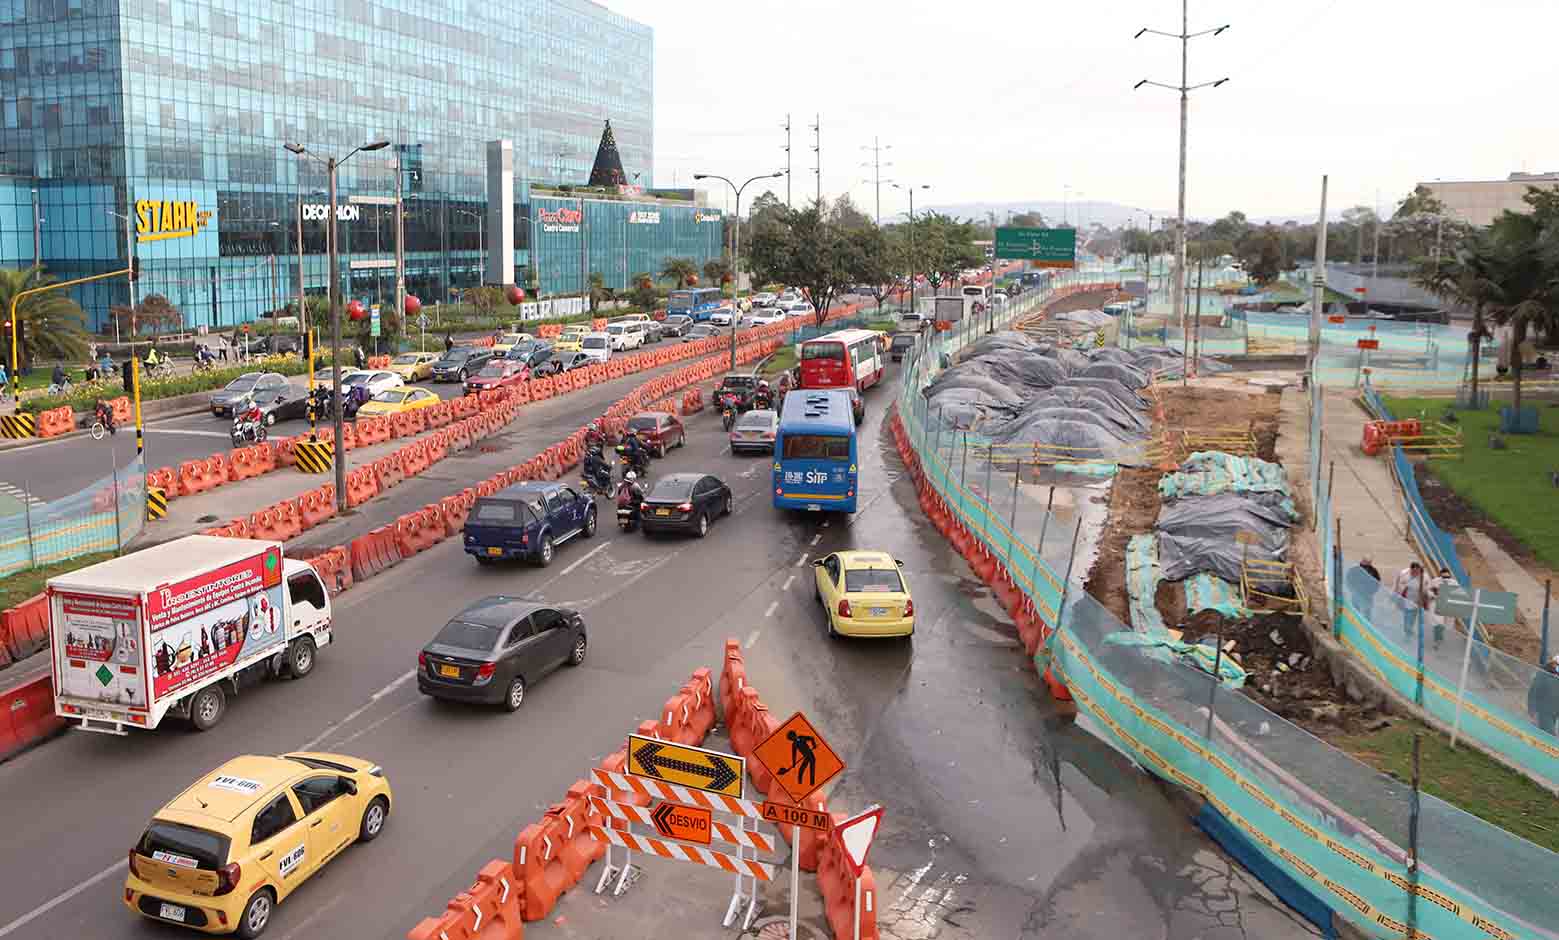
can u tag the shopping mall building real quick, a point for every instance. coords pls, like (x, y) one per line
(167, 119)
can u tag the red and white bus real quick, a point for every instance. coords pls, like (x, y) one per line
(842, 359)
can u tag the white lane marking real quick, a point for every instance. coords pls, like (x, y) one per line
(747, 474)
(628, 582)
(752, 638)
(803, 559)
(815, 539)
(194, 433)
(773, 606)
(359, 733)
(788, 582)
(118, 868)
(355, 713)
(584, 558)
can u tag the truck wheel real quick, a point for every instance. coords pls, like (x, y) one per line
(544, 554)
(300, 657)
(206, 709)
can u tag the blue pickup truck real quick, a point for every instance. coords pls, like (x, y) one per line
(527, 521)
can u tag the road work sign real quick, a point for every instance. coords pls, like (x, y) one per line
(689, 823)
(798, 757)
(710, 771)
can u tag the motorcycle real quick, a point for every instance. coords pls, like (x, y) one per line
(728, 417)
(636, 462)
(629, 498)
(248, 430)
(598, 483)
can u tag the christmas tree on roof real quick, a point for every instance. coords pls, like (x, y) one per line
(608, 169)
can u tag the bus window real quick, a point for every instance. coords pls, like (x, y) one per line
(822, 351)
(816, 447)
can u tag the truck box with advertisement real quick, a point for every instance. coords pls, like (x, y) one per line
(949, 309)
(178, 628)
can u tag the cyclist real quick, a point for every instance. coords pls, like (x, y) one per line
(105, 415)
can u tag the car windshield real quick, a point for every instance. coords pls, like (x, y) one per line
(872, 581)
(672, 490)
(359, 378)
(475, 637)
(393, 397)
(739, 381)
(495, 370)
(509, 339)
(643, 423)
(244, 382)
(173, 843)
(594, 342)
(406, 359)
(616, 328)
(903, 342)
(757, 420)
(455, 355)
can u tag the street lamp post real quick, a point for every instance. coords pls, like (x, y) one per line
(481, 237)
(910, 188)
(736, 241)
(129, 253)
(331, 164)
(1185, 36)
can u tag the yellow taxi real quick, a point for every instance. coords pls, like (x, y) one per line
(222, 854)
(414, 366)
(571, 339)
(395, 400)
(507, 341)
(864, 593)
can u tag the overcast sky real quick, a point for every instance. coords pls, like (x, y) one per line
(1008, 101)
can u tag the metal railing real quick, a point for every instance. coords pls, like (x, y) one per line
(103, 517)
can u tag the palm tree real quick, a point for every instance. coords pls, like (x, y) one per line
(680, 270)
(53, 325)
(1524, 247)
(716, 270)
(1468, 278)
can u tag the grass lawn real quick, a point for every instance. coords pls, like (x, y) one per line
(1512, 487)
(1462, 777)
(24, 584)
(783, 358)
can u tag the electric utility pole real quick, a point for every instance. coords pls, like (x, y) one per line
(876, 151)
(817, 149)
(1185, 88)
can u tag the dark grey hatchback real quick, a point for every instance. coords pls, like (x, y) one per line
(492, 651)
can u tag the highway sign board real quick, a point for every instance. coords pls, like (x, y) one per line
(710, 771)
(373, 321)
(855, 836)
(1046, 247)
(688, 823)
(798, 757)
(785, 814)
(1489, 606)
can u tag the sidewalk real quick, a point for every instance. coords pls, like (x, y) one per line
(1365, 499)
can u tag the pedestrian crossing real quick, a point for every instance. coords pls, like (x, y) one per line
(19, 495)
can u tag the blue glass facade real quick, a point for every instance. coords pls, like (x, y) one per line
(105, 104)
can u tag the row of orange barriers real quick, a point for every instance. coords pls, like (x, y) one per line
(56, 421)
(378, 362)
(27, 715)
(552, 855)
(1031, 625)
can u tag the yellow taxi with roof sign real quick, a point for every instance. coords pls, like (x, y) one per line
(221, 855)
(571, 339)
(864, 593)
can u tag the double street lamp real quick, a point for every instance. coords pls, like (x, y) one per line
(736, 245)
(331, 164)
(910, 188)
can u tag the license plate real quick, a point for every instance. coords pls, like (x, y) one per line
(662, 512)
(100, 713)
(452, 672)
(814, 507)
(171, 912)
(879, 611)
(495, 551)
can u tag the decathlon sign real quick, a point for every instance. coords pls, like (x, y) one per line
(560, 220)
(644, 217)
(319, 212)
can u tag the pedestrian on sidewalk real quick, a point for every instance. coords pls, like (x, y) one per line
(1443, 579)
(1411, 587)
(1367, 565)
(449, 342)
(1543, 697)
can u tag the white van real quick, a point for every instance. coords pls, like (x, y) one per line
(596, 346)
(170, 627)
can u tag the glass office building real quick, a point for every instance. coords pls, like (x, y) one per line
(172, 114)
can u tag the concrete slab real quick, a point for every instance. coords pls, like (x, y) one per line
(1364, 495)
(1512, 577)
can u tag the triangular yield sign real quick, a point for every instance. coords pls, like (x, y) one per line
(855, 836)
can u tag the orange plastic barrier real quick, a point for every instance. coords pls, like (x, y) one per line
(378, 362)
(335, 569)
(733, 678)
(539, 864)
(488, 910)
(24, 629)
(388, 471)
(374, 553)
(27, 715)
(361, 485)
(167, 480)
(56, 421)
(598, 324)
(123, 413)
(549, 330)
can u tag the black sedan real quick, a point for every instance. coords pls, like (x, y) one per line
(460, 363)
(685, 502)
(263, 387)
(492, 651)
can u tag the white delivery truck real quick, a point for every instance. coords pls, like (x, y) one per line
(177, 627)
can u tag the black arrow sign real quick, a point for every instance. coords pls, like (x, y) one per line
(718, 772)
(662, 822)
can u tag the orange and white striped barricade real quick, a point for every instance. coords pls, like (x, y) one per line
(740, 831)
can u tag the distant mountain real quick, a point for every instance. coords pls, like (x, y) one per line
(1087, 212)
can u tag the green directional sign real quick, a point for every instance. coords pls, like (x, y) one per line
(1046, 247)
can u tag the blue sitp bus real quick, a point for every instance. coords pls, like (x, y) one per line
(815, 462)
(696, 302)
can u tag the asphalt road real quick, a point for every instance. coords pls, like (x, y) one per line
(1036, 824)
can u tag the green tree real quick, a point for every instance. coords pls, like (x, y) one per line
(679, 270)
(716, 270)
(1260, 253)
(807, 249)
(1525, 249)
(1421, 201)
(642, 293)
(53, 325)
(846, 215)
(1470, 278)
(154, 312)
(599, 292)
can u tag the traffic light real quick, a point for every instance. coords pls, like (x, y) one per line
(135, 268)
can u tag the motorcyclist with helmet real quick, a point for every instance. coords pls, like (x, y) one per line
(630, 496)
(597, 472)
(635, 452)
(763, 398)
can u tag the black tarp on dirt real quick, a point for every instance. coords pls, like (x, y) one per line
(1128, 375)
(1197, 533)
(1093, 399)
